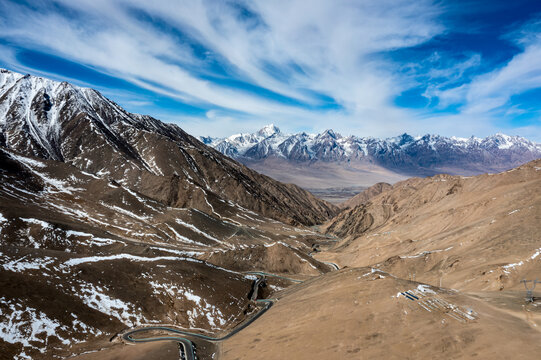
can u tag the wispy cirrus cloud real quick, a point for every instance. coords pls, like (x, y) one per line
(236, 65)
(490, 95)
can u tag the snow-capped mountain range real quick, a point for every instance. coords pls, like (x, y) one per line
(418, 155)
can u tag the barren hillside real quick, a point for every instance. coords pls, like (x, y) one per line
(475, 233)
(366, 195)
(111, 220)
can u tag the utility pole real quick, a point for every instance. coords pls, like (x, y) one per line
(529, 292)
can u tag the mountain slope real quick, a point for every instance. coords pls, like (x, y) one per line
(476, 233)
(83, 257)
(360, 313)
(365, 196)
(430, 268)
(80, 127)
(111, 220)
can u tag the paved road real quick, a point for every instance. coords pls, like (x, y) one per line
(255, 287)
(336, 267)
(187, 344)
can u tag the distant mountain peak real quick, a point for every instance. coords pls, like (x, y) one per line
(330, 133)
(206, 139)
(405, 138)
(269, 130)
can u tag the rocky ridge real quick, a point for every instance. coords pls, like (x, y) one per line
(80, 127)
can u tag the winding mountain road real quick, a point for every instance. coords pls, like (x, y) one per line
(187, 344)
(335, 266)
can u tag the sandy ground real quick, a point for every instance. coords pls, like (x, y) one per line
(356, 314)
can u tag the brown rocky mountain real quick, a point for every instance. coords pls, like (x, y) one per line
(463, 232)
(80, 127)
(111, 220)
(84, 257)
(365, 196)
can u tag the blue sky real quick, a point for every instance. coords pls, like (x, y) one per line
(369, 68)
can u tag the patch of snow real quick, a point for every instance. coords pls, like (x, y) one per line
(508, 267)
(94, 297)
(536, 254)
(27, 326)
(27, 161)
(196, 230)
(306, 261)
(92, 259)
(178, 236)
(125, 212)
(208, 203)
(98, 241)
(42, 223)
(89, 174)
(21, 265)
(140, 199)
(512, 266)
(178, 252)
(203, 308)
(84, 328)
(30, 164)
(276, 287)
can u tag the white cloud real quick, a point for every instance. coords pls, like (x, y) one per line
(295, 48)
(334, 43)
(131, 53)
(492, 91)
